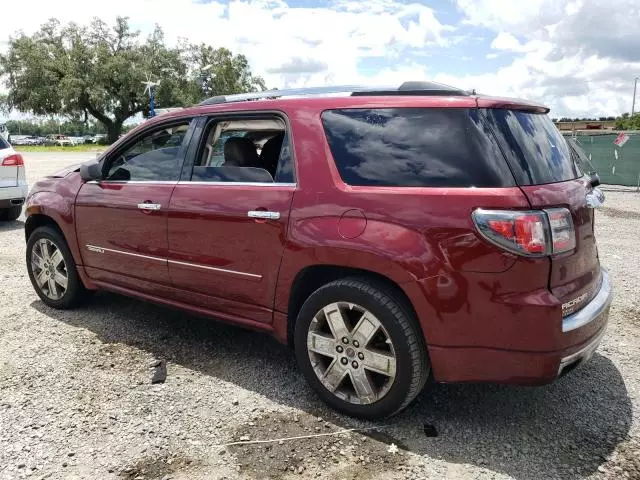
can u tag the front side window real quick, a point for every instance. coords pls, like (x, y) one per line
(245, 150)
(415, 147)
(157, 156)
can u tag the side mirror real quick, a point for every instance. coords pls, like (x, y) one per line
(594, 178)
(91, 171)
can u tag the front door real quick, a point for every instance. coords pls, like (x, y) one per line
(121, 221)
(228, 219)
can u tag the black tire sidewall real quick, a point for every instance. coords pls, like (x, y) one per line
(395, 398)
(75, 289)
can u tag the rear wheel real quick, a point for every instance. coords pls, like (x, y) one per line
(52, 269)
(360, 348)
(10, 214)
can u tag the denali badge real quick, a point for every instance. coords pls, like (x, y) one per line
(93, 248)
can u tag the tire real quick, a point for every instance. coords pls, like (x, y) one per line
(74, 292)
(395, 320)
(10, 214)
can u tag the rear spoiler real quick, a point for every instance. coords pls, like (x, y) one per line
(511, 104)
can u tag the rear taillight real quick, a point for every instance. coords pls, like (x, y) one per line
(13, 160)
(531, 233)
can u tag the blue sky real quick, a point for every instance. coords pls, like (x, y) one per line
(577, 56)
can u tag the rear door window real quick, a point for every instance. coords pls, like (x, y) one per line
(415, 147)
(535, 149)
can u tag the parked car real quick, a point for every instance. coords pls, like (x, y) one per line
(13, 182)
(385, 234)
(58, 140)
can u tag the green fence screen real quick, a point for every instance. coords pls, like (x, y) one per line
(615, 165)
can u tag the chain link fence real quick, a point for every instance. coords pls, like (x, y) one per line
(615, 165)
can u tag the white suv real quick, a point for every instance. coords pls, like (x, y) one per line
(13, 182)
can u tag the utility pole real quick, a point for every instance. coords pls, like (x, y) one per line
(633, 104)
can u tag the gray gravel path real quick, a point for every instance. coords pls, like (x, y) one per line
(76, 399)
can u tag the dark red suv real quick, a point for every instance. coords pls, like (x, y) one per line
(387, 234)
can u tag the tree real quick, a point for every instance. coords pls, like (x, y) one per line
(98, 70)
(628, 122)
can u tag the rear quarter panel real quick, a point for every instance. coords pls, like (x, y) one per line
(421, 238)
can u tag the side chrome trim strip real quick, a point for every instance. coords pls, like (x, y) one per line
(216, 269)
(96, 249)
(591, 310)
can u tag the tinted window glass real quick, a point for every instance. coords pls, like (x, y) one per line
(534, 147)
(284, 173)
(3, 144)
(415, 147)
(157, 156)
(244, 151)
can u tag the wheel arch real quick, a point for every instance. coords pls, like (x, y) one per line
(39, 220)
(312, 277)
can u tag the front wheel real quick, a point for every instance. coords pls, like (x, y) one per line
(360, 348)
(52, 270)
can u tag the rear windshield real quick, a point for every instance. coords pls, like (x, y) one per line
(533, 146)
(415, 147)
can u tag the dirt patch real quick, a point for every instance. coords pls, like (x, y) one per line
(631, 315)
(349, 455)
(149, 468)
(617, 213)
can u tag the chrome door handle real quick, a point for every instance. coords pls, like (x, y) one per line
(263, 214)
(149, 206)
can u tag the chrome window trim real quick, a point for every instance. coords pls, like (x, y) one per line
(97, 249)
(240, 184)
(124, 182)
(216, 269)
(188, 182)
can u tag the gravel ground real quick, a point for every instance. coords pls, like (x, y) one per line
(76, 399)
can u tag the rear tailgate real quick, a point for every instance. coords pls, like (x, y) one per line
(8, 174)
(575, 276)
(550, 177)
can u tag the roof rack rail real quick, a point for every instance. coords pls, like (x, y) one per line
(407, 88)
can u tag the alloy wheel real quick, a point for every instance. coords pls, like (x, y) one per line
(49, 269)
(351, 353)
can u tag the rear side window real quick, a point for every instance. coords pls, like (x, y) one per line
(3, 144)
(535, 149)
(415, 147)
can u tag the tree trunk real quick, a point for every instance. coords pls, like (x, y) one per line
(113, 130)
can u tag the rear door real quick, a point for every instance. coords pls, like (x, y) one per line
(551, 177)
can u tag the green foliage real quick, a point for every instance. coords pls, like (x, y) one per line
(97, 70)
(627, 122)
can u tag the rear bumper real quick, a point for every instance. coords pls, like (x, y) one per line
(8, 196)
(478, 364)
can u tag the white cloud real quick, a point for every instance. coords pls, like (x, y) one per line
(577, 56)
